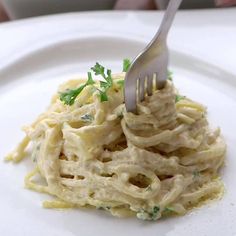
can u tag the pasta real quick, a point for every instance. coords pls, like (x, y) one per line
(163, 160)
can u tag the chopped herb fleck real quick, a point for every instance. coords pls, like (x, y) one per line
(178, 98)
(196, 174)
(87, 118)
(156, 209)
(153, 215)
(35, 152)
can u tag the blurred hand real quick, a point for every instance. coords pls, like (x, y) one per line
(135, 5)
(225, 3)
(3, 15)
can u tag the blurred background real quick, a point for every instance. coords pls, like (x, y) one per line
(18, 9)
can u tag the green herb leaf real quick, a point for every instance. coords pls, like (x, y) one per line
(170, 74)
(104, 84)
(87, 118)
(90, 80)
(69, 96)
(179, 97)
(98, 70)
(126, 65)
(103, 96)
(109, 78)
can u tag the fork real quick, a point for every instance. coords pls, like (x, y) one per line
(149, 69)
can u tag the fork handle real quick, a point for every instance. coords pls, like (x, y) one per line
(167, 20)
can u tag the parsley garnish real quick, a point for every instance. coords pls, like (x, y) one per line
(90, 80)
(104, 85)
(100, 70)
(126, 65)
(103, 96)
(179, 97)
(69, 96)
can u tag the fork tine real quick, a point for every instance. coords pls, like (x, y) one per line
(141, 89)
(161, 78)
(131, 94)
(149, 85)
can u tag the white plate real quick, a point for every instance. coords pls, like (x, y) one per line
(26, 85)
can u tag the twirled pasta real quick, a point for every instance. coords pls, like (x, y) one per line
(163, 160)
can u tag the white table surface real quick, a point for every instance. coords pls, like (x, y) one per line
(197, 31)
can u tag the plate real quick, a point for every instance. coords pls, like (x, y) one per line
(27, 83)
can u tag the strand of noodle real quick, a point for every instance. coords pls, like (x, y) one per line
(19, 153)
(153, 140)
(178, 208)
(124, 172)
(208, 189)
(178, 187)
(204, 156)
(33, 186)
(190, 112)
(58, 204)
(188, 103)
(185, 119)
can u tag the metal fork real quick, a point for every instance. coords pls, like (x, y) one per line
(151, 62)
